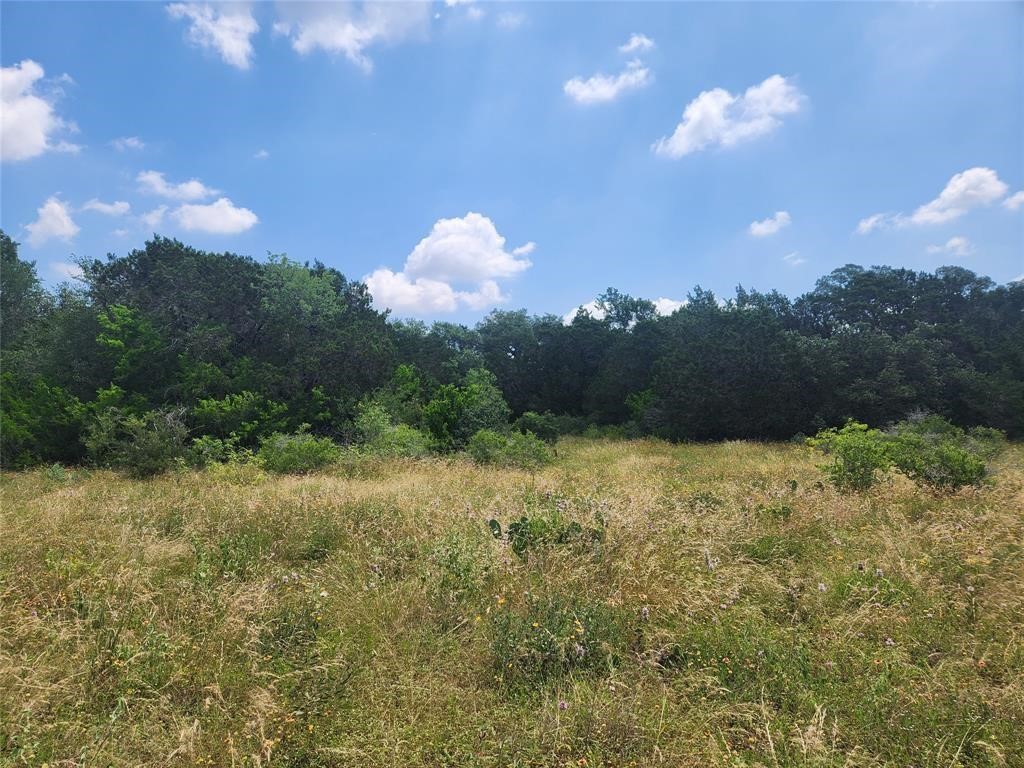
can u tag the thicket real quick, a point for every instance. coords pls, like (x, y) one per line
(172, 356)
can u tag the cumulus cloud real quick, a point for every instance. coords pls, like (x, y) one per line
(719, 118)
(226, 29)
(221, 217)
(794, 259)
(955, 246)
(974, 188)
(53, 222)
(351, 28)
(637, 43)
(117, 208)
(771, 225)
(128, 142)
(1014, 201)
(29, 124)
(155, 183)
(665, 306)
(457, 265)
(603, 88)
(261, 155)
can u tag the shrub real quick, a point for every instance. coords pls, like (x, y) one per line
(517, 450)
(540, 531)
(859, 455)
(543, 425)
(381, 436)
(247, 416)
(931, 451)
(554, 636)
(139, 446)
(208, 450)
(297, 453)
(456, 413)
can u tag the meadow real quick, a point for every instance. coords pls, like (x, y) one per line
(636, 603)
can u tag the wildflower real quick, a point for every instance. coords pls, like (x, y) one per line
(563, 705)
(323, 593)
(645, 613)
(970, 589)
(889, 642)
(878, 572)
(478, 618)
(982, 664)
(821, 586)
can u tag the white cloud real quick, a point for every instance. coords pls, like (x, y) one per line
(475, 12)
(457, 265)
(873, 222)
(718, 118)
(510, 20)
(955, 246)
(261, 155)
(771, 225)
(128, 142)
(1014, 201)
(665, 306)
(153, 219)
(602, 88)
(193, 189)
(973, 188)
(794, 259)
(226, 29)
(120, 233)
(467, 249)
(221, 217)
(970, 189)
(29, 126)
(662, 306)
(117, 208)
(65, 270)
(53, 223)
(350, 28)
(637, 43)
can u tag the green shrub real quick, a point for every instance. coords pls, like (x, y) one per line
(859, 455)
(246, 416)
(383, 437)
(455, 414)
(139, 446)
(517, 450)
(543, 425)
(297, 453)
(208, 450)
(553, 636)
(932, 452)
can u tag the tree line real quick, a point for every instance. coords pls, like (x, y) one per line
(237, 349)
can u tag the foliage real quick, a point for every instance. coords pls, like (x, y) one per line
(515, 450)
(455, 414)
(859, 455)
(297, 453)
(539, 531)
(543, 425)
(933, 452)
(243, 416)
(140, 446)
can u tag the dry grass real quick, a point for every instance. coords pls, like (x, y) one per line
(734, 612)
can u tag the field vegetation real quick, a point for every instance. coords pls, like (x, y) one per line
(632, 603)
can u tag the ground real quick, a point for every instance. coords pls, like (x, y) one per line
(667, 605)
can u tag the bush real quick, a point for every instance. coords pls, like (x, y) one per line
(401, 440)
(859, 455)
(246, 416)
(517, 450)
(298, 453)
(931, 451)
(139, 446)
(208, 450)
(543, 425)
(456, 413)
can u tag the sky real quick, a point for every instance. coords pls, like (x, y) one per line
(465, 156)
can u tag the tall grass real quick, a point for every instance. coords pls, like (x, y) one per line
(729, 609)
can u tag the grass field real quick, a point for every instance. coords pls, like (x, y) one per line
(712, 605)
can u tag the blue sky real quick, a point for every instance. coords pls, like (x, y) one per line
(461, 157)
